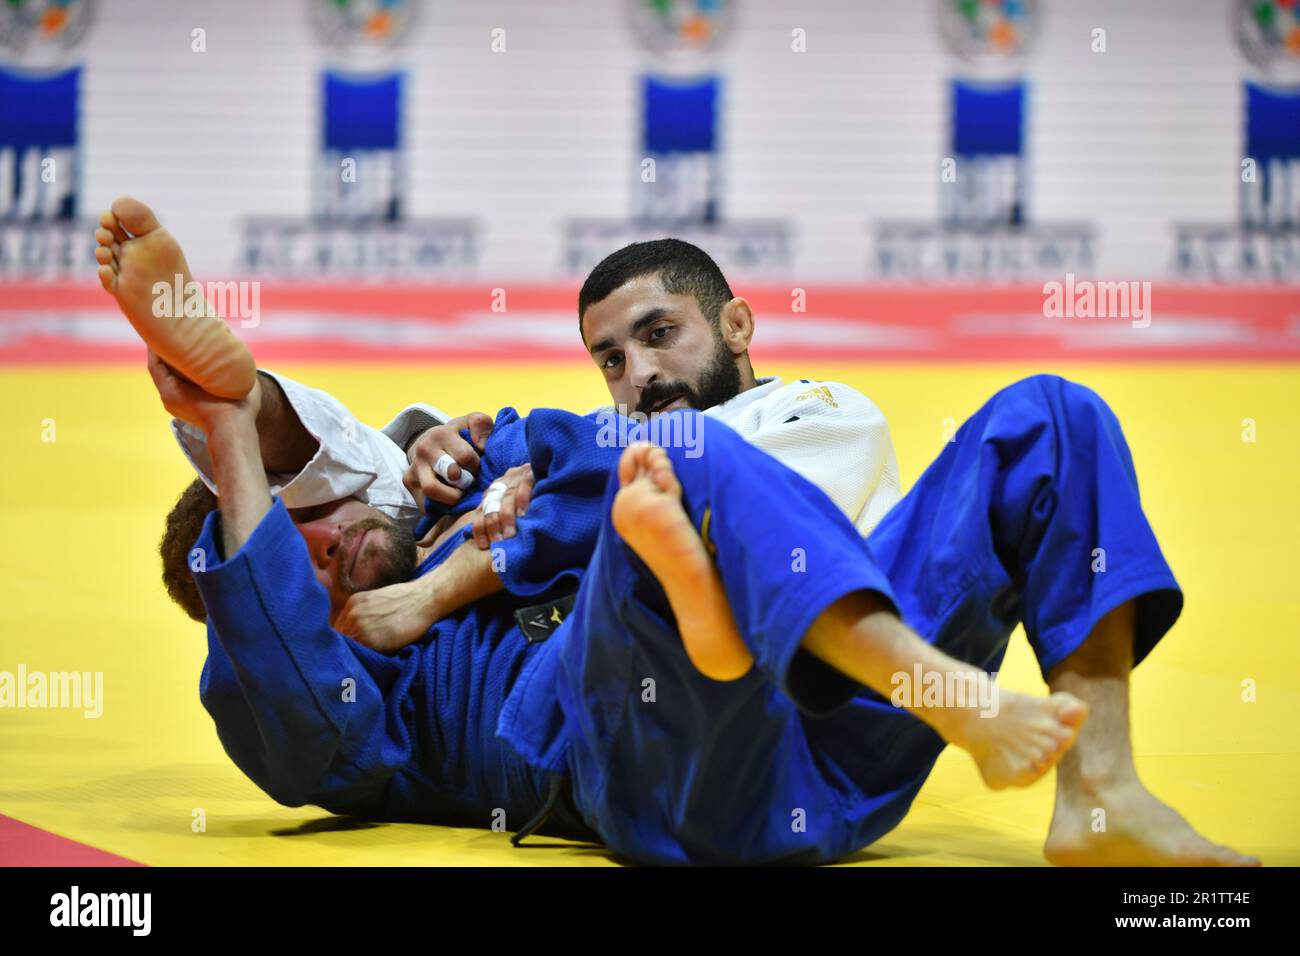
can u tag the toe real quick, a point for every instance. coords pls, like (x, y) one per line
(109, 222)
(107, 277)
(104, 236)
(134, 216)
(1070, 710)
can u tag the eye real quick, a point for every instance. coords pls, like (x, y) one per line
(655, 333)
(612, 361)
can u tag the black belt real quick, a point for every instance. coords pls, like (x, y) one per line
(540, 621)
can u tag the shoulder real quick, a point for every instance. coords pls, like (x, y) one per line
(826, 399)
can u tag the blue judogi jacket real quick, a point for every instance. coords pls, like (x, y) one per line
(312, 716)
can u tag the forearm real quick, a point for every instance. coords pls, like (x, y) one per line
(243, 495)
(465, 577)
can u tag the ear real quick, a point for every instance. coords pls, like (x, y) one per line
(736, 324)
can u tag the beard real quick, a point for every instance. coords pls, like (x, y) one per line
(719, 382)
(395, 558)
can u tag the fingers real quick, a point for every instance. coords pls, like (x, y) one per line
(421, 482)
(442, 465)
(493, 499)
(158, 370)
(349, 624)
(452, 473)
(505, 501)
(480, 427)
(500, 522)
(463, 453)
(524, 490)
(344, 623)
(479, 526)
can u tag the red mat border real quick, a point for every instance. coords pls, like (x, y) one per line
(456, 323)
(22, 844)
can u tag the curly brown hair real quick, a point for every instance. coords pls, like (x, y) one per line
(184, 523)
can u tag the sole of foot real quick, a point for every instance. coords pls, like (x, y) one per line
(135, 253)
(648, 515)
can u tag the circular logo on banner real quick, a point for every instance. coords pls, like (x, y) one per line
(362, 27)
(1268, 33)
(988, 32)
(682, 31)
(43, 34)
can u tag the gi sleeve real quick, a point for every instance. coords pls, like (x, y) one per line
(307, 714)
(411, 421)
(353, 460)
(554, 541)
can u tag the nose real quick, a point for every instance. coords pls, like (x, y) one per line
(641, 368)
(323, 538)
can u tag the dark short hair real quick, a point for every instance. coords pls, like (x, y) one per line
(184, 523)
(683, 269)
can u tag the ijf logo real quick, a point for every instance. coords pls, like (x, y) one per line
(43, 33)
(360, 227)
(680, 30)
(984, 229)
(988, 34)
(1264, 244)
(676, 178)
(359, 28)
(40, 149)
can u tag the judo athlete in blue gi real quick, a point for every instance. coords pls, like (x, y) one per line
(610, 726)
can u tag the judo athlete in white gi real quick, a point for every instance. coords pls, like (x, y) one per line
(662, 325)
(766, 669)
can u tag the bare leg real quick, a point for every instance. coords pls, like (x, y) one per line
(1104, 816)
(857, 635)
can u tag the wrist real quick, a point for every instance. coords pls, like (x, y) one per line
(230, 420)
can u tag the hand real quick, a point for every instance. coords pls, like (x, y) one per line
(422, 481)
(387, 619)
(499, 525)
(189, 403)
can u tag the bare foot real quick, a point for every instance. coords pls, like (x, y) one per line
(135, 253)
(649, 516)
(1123, 824)
(1025, 739)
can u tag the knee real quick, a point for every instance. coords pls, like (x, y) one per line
(1063, 400)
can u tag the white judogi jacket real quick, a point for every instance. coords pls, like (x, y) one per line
(353, 461)
(826, 432)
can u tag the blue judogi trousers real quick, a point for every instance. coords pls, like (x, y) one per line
(1030, 515)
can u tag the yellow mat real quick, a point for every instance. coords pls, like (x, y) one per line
(90, 469)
